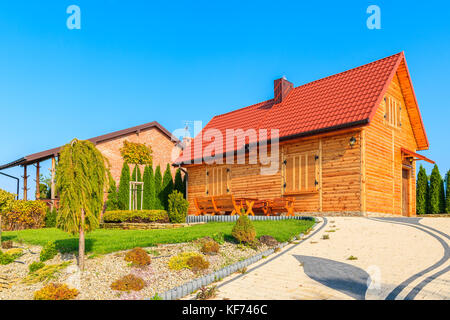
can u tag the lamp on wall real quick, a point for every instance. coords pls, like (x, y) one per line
(352, 141)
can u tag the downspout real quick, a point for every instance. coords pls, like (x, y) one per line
(17, 179)
(186, 178)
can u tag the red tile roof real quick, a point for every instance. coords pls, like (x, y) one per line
(342, 100)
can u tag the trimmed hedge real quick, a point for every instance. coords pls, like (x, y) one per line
(136, 216)
(24, 215)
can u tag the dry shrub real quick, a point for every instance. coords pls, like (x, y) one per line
(128, 283)
(197, 263)
(54, 291)
(268, 241)
(210, 247)
(138, 257)
(7, 244)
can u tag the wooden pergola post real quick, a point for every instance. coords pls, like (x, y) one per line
(38, 193)
(25, 184)
(53, 181)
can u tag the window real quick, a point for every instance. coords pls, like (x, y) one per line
(301, 172)
(217, 181)
(393, 111)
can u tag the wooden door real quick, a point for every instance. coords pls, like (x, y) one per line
(405, 192)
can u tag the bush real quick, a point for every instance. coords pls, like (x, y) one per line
(50, 218)
(7, 244)
(128, 283)
(35, 266)
(197, 263)
(46, 273)
(177, 207)
(54, 291)
(179, 261)
(210, 247)
(219, 237)
(243, 230)
(48, 251)
(268, 241)
(138, 257)
(8, 257)
(24, 215)
(139, 216)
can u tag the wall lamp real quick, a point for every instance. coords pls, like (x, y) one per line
(352, 141)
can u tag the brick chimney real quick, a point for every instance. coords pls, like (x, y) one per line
(281, 88)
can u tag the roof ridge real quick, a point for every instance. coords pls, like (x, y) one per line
(348, 70)
(240, 109)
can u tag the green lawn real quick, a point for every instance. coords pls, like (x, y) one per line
(105, 241)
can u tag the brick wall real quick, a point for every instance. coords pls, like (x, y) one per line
(161, 146)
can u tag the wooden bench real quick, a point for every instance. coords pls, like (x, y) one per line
(204, 205)
(279, 205)
(226, 204)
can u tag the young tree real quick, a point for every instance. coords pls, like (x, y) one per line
(81, 180)
(6, 200)
(149, 188)
(136, 176)
(447, 193)
(436, 191)
(178, 184)
(167, 186)
(158, 186)
(421, 191)
(124, 188)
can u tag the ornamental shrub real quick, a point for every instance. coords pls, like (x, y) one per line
(421, 191)
(7, 244)
(167, 187)
(50, 218)
(54, 291)
(149, 188)
(158, 186)
(46, 273)
(138, 257)
(24, 215)
(48, 251)
(177, 207)
(6, 200)
(179, 261)
(210, 247)
(6, 258)
(219, 237)
(137, 216)
(128, 283)
(197, 263)
(35, 266)
(123, 196)
(112, 202)
(447, 194)
(136, 153)
(243, 230)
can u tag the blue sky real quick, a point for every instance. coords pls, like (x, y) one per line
(135, 62)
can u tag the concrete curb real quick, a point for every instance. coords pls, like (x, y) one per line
(196, 219)
(194, 285)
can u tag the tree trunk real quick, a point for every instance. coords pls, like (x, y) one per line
(81, 243)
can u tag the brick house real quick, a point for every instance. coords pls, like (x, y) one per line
(152, 134)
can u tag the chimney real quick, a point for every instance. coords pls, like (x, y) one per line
(281, 88)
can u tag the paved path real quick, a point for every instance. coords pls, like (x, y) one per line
(397, 258)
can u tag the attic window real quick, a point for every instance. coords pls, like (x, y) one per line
(393, 111)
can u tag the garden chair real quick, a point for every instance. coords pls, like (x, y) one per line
(204, 205)
(279, 205)
(226, 203)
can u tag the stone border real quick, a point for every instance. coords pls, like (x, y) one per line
(146, 226)
(194, 285)
(224, 218)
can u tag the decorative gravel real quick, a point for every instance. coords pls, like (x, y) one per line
(102, 270)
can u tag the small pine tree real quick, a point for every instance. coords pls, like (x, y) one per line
(436, 191)
(124, 188)
(447, 193)
(158, 186)
(421, 191)
(178, 185)
(149, 188)
(167, 186)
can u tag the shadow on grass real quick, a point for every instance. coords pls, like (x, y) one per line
(62, 245)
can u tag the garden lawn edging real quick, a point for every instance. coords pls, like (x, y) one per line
(145, 226)
(227, 218)
(194, 285)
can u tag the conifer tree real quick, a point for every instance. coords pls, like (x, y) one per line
(124, 188)
(112, 202)
(178, 185)
(158, 185)
(421, 191)
(447, 193)
(436, 191)
(149, 188)
(167, 186)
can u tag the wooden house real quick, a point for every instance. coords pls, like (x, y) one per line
(347, 144)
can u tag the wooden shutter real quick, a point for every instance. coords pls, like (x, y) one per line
(301, 172)
(217, 179)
